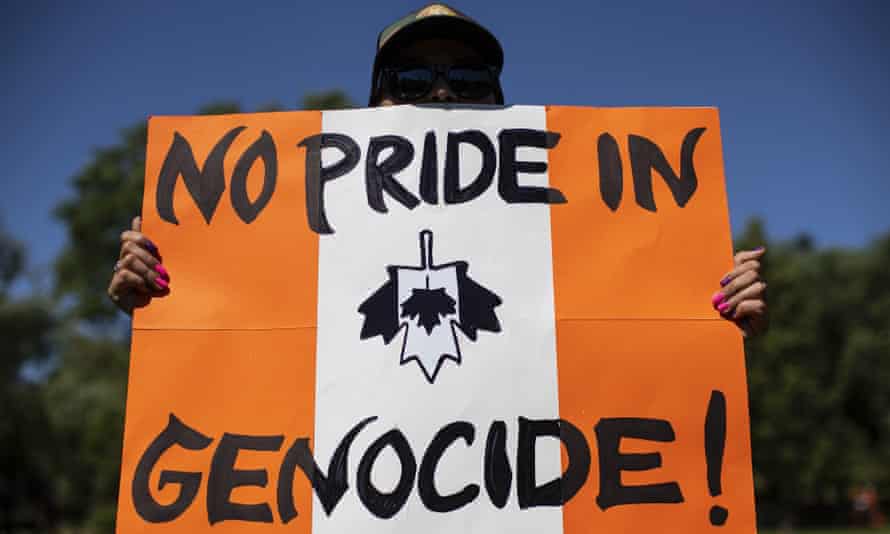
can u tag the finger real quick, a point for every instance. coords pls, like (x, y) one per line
(750, 265)
(124, 282)
(131, 236)
(752, 318)
(750, 310)
(136, 224)
(153, 277)
(747, 255)
(738, 284)
(753, 292)
(131, 248)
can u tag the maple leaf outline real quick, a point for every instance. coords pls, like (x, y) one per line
(475, 308)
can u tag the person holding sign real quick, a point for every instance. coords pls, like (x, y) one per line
(434, 55)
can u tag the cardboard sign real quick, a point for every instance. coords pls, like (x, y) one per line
(424, 319)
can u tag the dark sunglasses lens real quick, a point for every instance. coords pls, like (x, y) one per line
(412, 83)
(471, 83)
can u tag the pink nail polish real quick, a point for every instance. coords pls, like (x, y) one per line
(723, 307)
(717, 298)
(161, 270)
(161, 282)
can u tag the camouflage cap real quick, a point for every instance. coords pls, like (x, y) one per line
(435, 21)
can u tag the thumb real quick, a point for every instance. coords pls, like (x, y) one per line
(746, 255)
(136, 225)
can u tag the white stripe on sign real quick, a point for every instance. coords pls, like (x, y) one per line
(445, 283)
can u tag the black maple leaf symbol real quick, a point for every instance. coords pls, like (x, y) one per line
(471, 305)
(427, 305)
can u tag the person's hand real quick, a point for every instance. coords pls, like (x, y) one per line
(742, 297)
(138, 273)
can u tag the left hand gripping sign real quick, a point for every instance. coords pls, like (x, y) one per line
(437, 319)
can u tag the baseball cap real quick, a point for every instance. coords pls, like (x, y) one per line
(436, 21)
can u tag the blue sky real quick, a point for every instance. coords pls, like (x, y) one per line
(802, 87)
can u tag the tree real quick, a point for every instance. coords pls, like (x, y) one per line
(85, 403)
(85, 392)
(27, 451)
(820, 378)
(333, 99)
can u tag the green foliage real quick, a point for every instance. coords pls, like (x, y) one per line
(27, 454)
(222, 107)
(819, 379)
(85, 398)
(335, 99)
(12, 260)
(107, 194)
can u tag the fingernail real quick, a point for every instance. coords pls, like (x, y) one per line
(761, 247)
(162, 271)
(724, 281)
(161, 282)
(151, 246)
(717, 298)
(723, 307)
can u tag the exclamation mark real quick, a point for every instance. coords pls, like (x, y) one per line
(715, 441)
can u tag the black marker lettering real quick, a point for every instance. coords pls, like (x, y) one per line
(645, 156)
(224, 478)
(611, 174)
(205, 186)
(715, 445)
(379, 175)
(508, 181)
(559, 490)
(608, 436)
(498, 475)
(453, 192)
(317, 176)
(176, 433)
(329, 489)
(264, 148)
(429, 170)
(386, 505)
(426, 478)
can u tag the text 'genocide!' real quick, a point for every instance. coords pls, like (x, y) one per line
(499, 468)
(206, 184)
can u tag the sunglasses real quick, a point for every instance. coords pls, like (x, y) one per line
(467, 82)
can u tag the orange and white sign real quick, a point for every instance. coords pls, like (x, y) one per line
(422, 319)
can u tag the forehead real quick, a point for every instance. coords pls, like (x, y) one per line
(436, 51)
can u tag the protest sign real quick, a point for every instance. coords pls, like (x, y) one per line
(425, 319)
